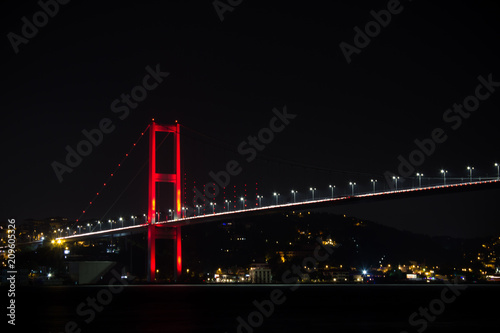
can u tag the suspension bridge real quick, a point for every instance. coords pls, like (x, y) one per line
(171, 227)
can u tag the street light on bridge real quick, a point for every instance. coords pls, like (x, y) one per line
(121, 220)
(277, 196)
(498, 170)
(331, 188)
(420, 175)
(312, 189)
(373, 181)
(444, 172)
(227, 203)
(213, 207)
(396, 180)
(198, 207)
(470, 173)
(294, 193)
(352, 187)
(242, 203)
(259, 197)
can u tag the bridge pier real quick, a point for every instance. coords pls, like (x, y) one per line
(163, 232)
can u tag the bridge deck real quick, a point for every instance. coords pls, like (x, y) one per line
(299, 206)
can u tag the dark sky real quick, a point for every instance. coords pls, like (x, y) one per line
(225, 77)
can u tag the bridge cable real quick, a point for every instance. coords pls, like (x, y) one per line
(109, 177)
(268, 158)
(133, 178)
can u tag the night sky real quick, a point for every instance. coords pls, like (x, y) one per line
(353, 119)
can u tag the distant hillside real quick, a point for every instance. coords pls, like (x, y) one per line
(360, 243)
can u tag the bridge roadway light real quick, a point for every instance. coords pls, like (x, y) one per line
(110, 224)
(498, 170)
(260, 200)
(133, 218)
(331, 188)
(184, 211)
(213, 207)
(277, 195)
(79, 229)
(294, 193)
(444, 172)
(227, 203)
(88, 227)
(242, 203)
(100, 225)
(470, 173)
(312, 189)
(198, 207)
(171, 214)
(396, 180)
(121, 220)
(373, 181)
(352, 187)
(420, 175)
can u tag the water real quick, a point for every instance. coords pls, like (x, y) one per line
(215, 308)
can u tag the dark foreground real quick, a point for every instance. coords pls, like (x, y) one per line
(215, 308)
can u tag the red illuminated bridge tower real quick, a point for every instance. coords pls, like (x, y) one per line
(156, 231)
